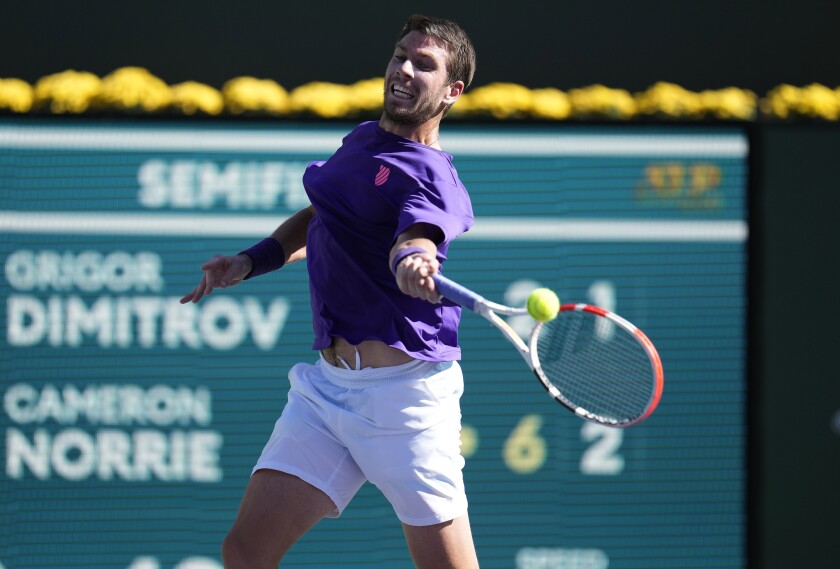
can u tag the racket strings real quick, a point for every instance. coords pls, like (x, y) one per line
(596, 365)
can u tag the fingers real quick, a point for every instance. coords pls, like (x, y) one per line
(214, 269)
(232, 276)
(197, 293)
(414, 277)
(188, 297)
(224, 271)
(219, 272)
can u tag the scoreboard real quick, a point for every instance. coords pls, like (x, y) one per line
(130, 422)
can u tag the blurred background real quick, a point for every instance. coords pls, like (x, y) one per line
(128, 440)
(631, 45)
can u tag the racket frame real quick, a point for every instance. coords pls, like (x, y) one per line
(653, 356)
(493, 311)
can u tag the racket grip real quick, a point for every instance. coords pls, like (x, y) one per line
(456, 293)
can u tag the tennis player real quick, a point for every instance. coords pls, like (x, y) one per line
(381, 403)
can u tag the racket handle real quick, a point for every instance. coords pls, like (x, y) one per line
(456, 293)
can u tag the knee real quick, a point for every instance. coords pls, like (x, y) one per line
(240, 553)
(233, 551)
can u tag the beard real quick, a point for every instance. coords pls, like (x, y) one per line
(423, 109)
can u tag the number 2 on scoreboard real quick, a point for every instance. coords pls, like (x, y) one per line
(602, 456)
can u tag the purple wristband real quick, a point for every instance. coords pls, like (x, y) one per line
(402, 254)
(266, 256)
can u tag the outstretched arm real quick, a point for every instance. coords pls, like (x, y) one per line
(223, 271)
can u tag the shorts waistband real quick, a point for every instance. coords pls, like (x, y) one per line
(370, 376)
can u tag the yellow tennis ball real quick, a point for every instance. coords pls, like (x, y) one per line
(543, 304)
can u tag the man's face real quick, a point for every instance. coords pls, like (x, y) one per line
(415, 80)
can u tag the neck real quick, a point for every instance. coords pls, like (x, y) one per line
(426, 133)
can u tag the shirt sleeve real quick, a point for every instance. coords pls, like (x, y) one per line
(446, 206)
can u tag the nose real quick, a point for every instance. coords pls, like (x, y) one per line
(406, 68)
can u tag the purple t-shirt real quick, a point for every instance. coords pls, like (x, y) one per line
(371, 190)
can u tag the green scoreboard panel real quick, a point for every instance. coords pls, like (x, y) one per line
(130, 423)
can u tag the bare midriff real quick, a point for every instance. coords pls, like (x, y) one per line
(372, 353)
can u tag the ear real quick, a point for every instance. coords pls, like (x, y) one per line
(453, 93)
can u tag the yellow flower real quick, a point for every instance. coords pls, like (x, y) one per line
(334, 100)
(367, 96)
(249, 94)
(326, 100)
(813, 101)
(819, 101)
(729, 103)
(16, 95)
(191, 97)
(70, 91)
(550, 103)
(134, 89)
(500, 100)
(779, 101)
(601, 101)
(669, 100)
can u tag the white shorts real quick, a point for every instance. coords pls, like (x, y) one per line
(398, 427)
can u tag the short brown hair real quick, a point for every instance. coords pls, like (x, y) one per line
(461, 63)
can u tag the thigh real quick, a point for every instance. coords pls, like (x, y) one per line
(303, 442)
(447, 545)
(276, 510)
(412, 452)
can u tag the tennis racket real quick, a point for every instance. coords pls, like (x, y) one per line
(594, 362)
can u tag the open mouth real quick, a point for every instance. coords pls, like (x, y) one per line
(401, 92)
